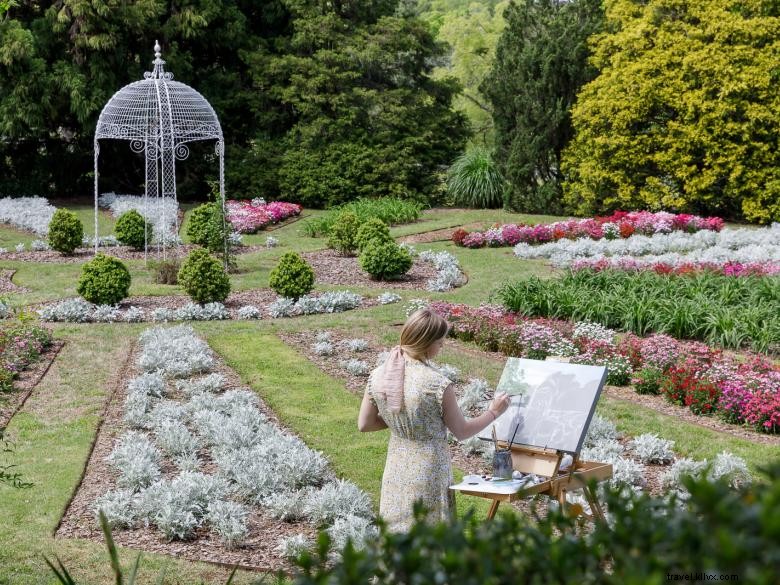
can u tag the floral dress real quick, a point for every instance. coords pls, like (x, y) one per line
(418, 457)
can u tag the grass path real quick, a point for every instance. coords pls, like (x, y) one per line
(53, 436)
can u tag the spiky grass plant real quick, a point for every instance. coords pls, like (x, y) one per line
(474, 180)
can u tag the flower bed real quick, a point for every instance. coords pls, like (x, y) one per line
(177, 309)
(707, 306)
(189, 457)
(688, 373)
(21, 344)
(727, 246)
(27, 213)
(631, 264)
(619, 225)
(248, 217)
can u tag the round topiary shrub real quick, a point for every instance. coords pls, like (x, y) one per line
(104, 281)
(204, 278)
(292, 277)
(132, 229)
(198, 228)
(343, 232)
(65, 231)
(385, 260)
(372, 230)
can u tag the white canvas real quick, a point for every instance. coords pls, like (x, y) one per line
(552, 403)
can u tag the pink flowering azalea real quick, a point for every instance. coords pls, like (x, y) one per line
(248, 217)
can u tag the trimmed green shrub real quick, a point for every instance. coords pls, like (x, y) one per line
(65, 231)
(292, 277)
(132, 229)
(204, 278)
(385, 260)
(104, 281)
(198, 226)
(372, 230)
(343, 233)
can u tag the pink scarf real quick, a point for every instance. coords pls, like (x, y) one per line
(391, 384)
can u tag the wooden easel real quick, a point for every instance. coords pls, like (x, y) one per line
(547, 462)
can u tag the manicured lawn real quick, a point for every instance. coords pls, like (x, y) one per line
(54, 432)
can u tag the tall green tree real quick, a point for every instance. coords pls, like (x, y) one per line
(320, 101)
(685, 112)
(359, 112)
(61, 61)
(472, 33)
(541, 64)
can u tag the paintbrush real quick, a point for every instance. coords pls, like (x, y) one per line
(495, 440)
(514, 435)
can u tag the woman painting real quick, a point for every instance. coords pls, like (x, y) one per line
(418, 405)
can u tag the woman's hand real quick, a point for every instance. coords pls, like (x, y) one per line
(499, 404)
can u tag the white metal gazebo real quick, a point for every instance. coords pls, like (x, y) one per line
(159, 116)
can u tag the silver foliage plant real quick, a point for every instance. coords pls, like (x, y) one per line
(356, 345)
(387, 298)
(650, 448)
(211, 383)
(118, 507)
(448, 272)
(323, 348)
(106, 314)
(136, 459)
(357, 529)
(356, 367)
(229, 521)
(248, 312)
(291, 547)
(175, 352)
(327, 302)
(473, 392)
(256, 461)
(337, 499)
(70, 311)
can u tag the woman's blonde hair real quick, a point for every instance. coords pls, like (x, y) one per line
(422, 329)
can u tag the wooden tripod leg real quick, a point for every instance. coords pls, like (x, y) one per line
(493, 509)
(595, 507)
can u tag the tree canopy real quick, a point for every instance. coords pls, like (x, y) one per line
(319, 101)
(685, 111)
(540, 65)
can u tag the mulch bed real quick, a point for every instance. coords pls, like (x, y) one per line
(122, 252)
(26, 382)
(257, 552)
(439, 235)
(7, 285)
(331, 268)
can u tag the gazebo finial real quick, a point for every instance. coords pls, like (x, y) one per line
(158, 72)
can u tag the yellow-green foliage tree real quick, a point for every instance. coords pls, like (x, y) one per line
(685, 112)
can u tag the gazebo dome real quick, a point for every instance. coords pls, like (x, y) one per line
(133, 112)
(159, 116)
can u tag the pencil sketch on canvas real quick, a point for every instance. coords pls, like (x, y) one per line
(552, 403)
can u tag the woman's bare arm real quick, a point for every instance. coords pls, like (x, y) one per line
(463, 427)
(369, 419)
